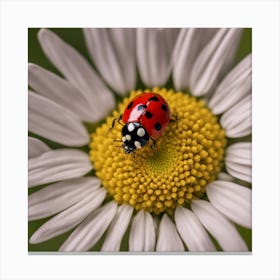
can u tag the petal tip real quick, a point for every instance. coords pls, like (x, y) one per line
(44, 35)
(32, 66)
(34, 239)
(43, 32)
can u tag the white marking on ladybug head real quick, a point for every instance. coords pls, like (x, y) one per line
(127, 137)
(140, 132)
(123, 138)
(130, 127)
(126, 149)
(137, 144)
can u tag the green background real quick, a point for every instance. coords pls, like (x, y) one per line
(74, 37)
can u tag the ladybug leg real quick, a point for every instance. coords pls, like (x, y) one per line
(174, 118)
(119, 119)
(153, 146)
(114, 121)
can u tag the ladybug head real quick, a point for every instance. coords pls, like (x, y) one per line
(134, 136)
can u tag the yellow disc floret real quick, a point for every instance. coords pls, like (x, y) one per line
(186, 157)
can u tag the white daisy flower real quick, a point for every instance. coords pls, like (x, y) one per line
(186, 195)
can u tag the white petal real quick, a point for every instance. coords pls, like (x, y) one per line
(219, 226)
(113, 53)
(57, 165)
(54, 122)
(69, 218)
(154, 49)
(233, 200)
(240, 152)
(60, 91)
(234, 87)
(78, 72)
(213, 61)
(142, 234)
(225, 177)
(239, 160)
(59, 196)
(188, 45)
(192, 232)
(117, 229)
(168, 238)
(237, 121)
(36, 147)
(91, 229)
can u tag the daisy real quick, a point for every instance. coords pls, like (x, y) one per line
(186, 195)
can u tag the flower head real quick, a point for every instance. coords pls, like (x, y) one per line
(187, 157)
(194, 182)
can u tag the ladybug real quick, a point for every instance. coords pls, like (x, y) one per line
(145, 117)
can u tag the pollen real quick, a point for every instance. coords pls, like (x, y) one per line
(187, 157)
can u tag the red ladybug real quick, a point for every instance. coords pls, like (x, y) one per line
(145, 117)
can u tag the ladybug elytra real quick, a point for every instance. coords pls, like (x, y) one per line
(145, 117)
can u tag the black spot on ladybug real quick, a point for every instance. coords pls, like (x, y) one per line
(157, 126)
(154, 98)
(164, 107)
(141, 107)
(148, 114)
(130, 105)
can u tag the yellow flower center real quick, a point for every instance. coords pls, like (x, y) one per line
(186, 157)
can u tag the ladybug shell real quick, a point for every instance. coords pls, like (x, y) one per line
(151, 110)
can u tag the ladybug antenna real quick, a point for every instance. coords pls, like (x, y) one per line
(119, 146)
(133, 155)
